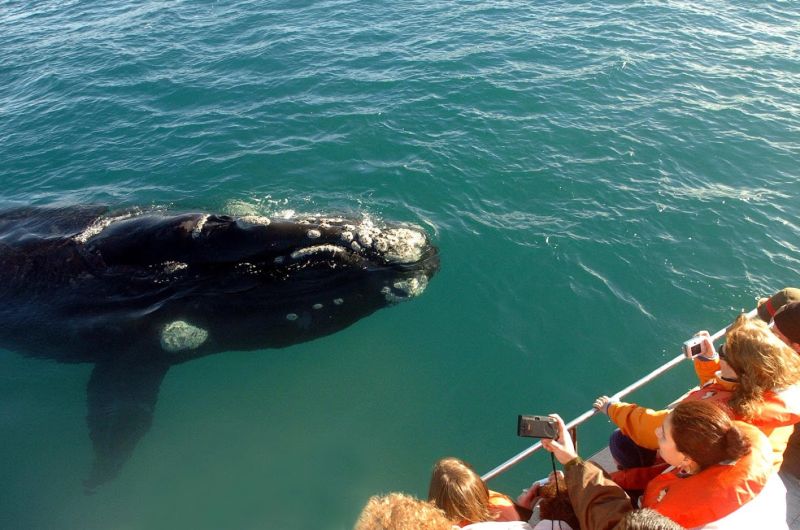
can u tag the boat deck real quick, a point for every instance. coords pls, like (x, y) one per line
(792, 501)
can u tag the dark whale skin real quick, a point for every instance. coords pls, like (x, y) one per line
(135, 292)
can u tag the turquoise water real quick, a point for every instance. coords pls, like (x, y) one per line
(602, 179)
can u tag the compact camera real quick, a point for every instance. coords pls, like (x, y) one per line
(692, 347)
(537, 427)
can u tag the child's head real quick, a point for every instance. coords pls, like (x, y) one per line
(398, 511)
(459, 491)
(647, 519)
(555, 504)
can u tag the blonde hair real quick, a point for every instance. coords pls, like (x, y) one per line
(459, 491)
(398, 511)
(761, 361)
(647, 519)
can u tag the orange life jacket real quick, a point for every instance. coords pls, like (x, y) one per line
(501, 506)
(776, 415)
(716, 491)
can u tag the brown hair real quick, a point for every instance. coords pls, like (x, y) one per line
(704, 432)
(555, 503)
(787, 320)
(761, 361)
(398, 511)
(459, 491)
(647, 519)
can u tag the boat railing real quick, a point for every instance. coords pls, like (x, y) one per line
(573, 425)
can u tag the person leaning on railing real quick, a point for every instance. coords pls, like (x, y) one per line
(754, 378)
(599, 503)
(716, 471)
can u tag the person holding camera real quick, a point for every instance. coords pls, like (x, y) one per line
(716, 470)
(598, 502)
(755, 378)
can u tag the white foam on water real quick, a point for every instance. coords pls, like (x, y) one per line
(240, 208)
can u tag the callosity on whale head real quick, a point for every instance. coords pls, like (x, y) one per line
(135, 293)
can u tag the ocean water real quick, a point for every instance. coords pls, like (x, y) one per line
(602, 179)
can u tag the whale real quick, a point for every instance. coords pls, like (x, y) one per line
(137, 291)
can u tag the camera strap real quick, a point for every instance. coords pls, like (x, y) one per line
(558, 492)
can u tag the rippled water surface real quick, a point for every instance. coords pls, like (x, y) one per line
(602, 179)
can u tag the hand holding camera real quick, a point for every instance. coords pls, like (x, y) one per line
(699, 345)
(537, 426)
(562, 447)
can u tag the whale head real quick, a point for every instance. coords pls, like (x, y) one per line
(208, 283)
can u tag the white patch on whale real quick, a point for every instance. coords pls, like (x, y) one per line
(410, 288)
(365, 239)
(291, 316)
(171, 267)
(338, 301)
(197, 231)
(401, 245)
(313, 233)
(309, 251)
(99, 225)
(317, 306)
(260, 220)
(247, 267)
(180, 335)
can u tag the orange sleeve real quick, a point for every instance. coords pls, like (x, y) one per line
(638, 423)
(706, 369)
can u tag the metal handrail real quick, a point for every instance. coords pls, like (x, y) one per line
(508, 464)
